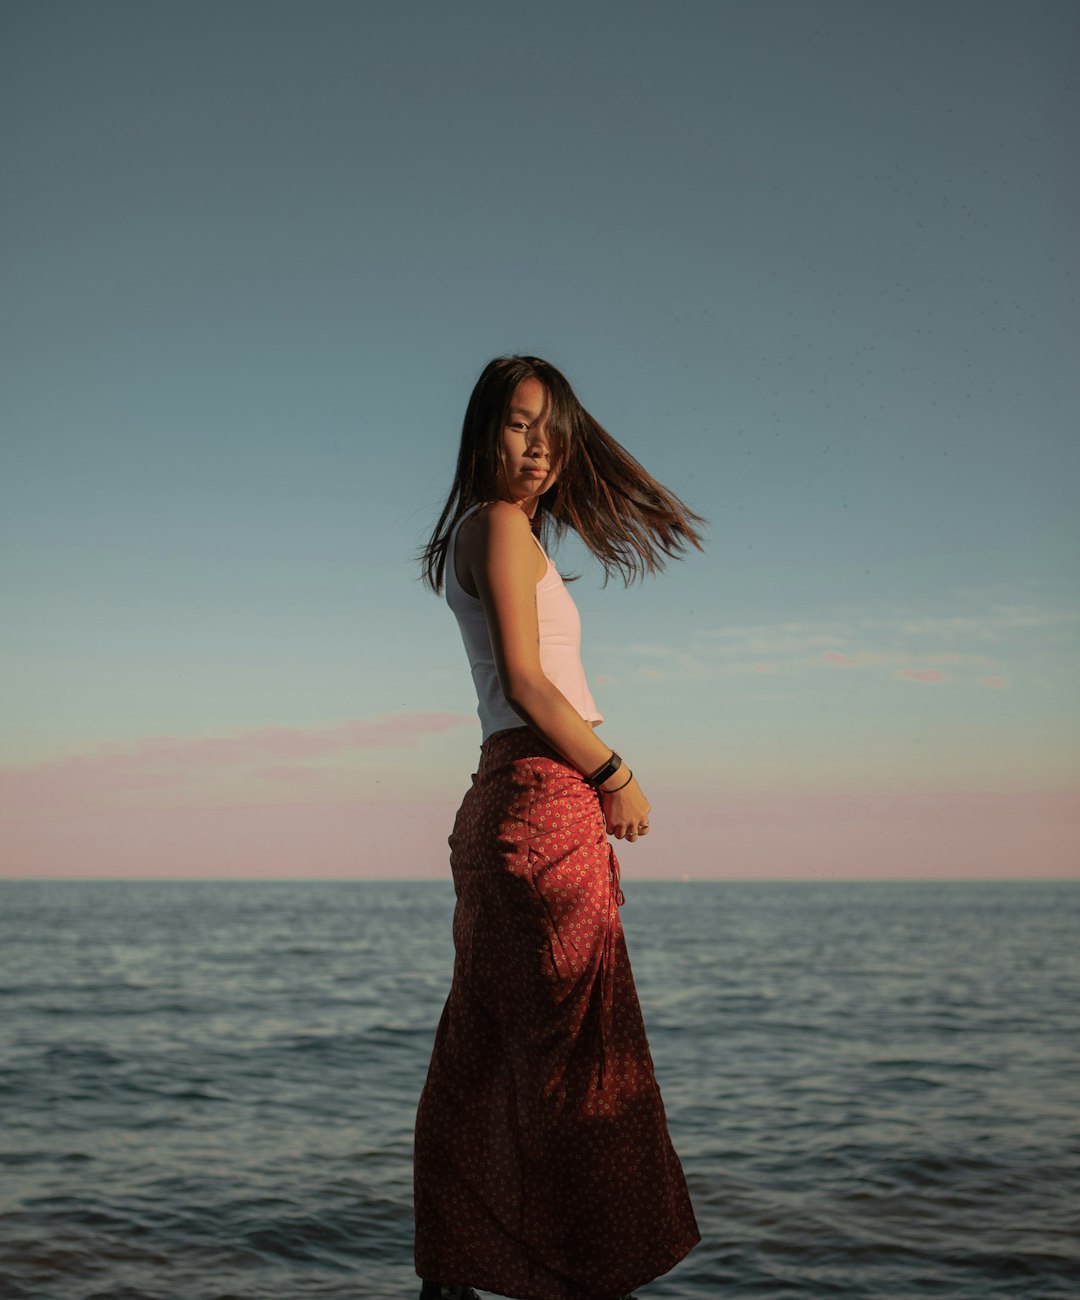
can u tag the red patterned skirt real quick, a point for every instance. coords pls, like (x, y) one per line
(543, 1167)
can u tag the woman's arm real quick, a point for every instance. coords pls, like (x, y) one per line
(502, 561)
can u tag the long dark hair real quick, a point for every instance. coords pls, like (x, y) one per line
(628, 520)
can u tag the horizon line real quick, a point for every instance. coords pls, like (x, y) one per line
(448, 880)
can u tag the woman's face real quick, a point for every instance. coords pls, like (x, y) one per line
(525, 456)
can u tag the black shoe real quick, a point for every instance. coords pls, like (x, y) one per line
(433, 1291)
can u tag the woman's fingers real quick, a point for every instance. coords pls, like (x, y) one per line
(626, 812)
(621, 831)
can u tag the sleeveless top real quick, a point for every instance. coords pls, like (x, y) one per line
(560, 644)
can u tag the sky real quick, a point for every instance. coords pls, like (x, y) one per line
(814, 263)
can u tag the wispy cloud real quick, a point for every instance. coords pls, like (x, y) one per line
(169, 761)
(926, 648)
(998, 623)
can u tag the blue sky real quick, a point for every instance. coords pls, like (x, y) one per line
(815, 264)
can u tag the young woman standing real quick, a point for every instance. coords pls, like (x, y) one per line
(542, 1163)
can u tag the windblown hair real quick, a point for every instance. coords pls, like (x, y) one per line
(631, 523)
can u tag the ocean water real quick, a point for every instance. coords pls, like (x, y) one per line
(207, 1089)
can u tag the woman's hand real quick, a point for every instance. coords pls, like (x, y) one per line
(626, 810)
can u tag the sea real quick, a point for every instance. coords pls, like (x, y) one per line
(207, 1088)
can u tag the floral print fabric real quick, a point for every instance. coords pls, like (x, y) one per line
(543, 1167)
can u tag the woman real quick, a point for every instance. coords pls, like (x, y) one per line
(543, 1167)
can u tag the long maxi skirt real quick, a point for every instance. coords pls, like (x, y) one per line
(543, 1168)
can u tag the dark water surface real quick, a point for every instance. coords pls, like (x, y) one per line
(208, 1088)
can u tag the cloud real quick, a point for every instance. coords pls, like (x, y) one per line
(170, 761)
(904, 644)
(885, 659)
(998, 622)
(715, 655)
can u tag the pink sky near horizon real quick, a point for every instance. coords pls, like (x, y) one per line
(86, 815)
(1026, 835)
(169, 761)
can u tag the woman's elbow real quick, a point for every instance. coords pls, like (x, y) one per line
(524, 688)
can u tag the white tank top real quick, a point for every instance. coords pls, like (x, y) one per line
(560, 644)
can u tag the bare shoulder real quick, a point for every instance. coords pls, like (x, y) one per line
(500, 534)
(502, 516)
(497, 524)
